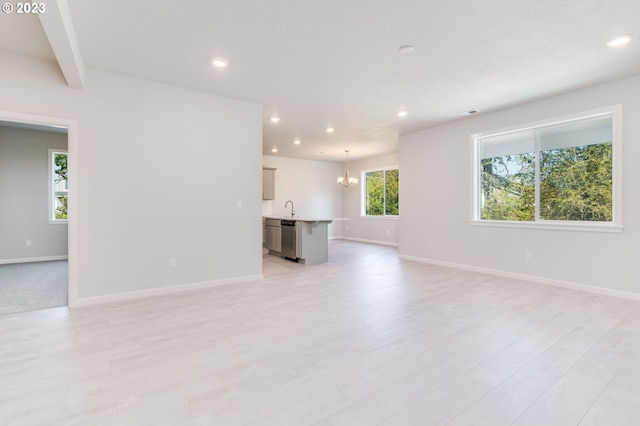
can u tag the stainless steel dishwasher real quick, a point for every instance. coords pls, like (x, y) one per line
(288, 238)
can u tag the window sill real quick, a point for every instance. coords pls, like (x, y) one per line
(551, 225)
(380, 217)
(58, 222)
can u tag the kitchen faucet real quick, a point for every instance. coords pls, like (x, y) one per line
(285, 206)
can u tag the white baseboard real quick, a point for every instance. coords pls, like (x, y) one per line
(362, 240)
(532, 278)
(33, 259)
(140, 294)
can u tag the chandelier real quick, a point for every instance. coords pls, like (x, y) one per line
(347, 180)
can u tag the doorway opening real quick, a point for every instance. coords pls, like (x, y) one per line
(37, 220)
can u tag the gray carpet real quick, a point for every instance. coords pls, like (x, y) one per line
(33, 286)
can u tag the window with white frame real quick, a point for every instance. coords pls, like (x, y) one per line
(380, 192)
(58, 186)
(561, 172)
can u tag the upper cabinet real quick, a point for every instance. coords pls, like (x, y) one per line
(268, 183)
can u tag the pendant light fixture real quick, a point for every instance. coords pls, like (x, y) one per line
(346, 180)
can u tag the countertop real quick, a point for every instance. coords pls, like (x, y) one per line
(306, 218)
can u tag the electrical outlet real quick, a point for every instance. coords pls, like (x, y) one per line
(528, 255)
(173, 263)
(28, 243)
(239, 205)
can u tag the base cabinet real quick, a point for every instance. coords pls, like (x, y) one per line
(312, 242)
(273, 236)
(302, 240)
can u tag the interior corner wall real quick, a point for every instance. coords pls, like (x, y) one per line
(24, 195)
(153, 179)
(378, 230)
(436, 200)
(312, 187)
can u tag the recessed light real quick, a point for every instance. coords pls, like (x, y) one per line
(330, 130)
(402, 113)
(405, 50)
(297, 141)
(619, 41)
(220, 62)
(274, 149)
(275, 119)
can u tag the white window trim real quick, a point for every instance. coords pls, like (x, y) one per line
(615, 112)
(363, 195)
(51, 191)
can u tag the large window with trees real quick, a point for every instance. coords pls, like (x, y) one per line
(59, 186)
(559, 172)
(380, 192)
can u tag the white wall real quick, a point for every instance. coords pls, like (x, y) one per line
(368, 229)
(24, 196)
(435, 196)
(311, 185)
(159, 171)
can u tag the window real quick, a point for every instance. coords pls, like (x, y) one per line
(59, 185)
(380, 192)
(560, 172)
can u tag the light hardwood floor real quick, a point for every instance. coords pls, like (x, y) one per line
(364, 339)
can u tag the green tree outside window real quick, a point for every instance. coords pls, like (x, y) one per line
(382, 193)
(60, 170)
(561, 171)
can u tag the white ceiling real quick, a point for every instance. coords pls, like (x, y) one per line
(336, 62)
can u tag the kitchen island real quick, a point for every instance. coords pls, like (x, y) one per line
(302, 239)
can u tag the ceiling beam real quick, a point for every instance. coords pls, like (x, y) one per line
(58, 27)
